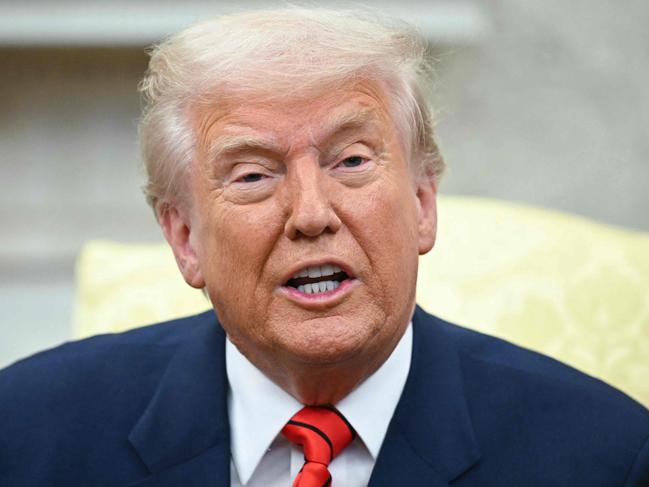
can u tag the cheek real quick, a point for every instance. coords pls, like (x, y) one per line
(391, 208)
(385, 227)
(235, 244)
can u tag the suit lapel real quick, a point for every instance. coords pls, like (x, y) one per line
(430, 440)
(206, 469)
(183, 435)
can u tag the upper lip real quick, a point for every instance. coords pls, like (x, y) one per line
(293, 270)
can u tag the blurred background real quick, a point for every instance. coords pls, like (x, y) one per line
(543, 103)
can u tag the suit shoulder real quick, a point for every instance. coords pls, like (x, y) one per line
(580, 425)
(80, 401)
(500, 370)
(82, 366)
(164, 334)
(535, 366)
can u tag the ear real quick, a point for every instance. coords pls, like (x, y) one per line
(176, 228)
(427, 222)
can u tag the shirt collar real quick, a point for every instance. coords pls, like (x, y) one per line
(258, 409)
(369, 407)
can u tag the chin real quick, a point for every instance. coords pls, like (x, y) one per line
(326, 340)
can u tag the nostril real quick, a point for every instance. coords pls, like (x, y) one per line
(311, 215)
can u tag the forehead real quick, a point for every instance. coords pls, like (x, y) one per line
(296, 121)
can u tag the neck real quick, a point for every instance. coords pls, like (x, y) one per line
(323, 383)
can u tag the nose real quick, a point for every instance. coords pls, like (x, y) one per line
(310, 212)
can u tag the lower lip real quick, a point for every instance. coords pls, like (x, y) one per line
(327, 297)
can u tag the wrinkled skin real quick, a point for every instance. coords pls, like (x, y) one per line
(275, 187)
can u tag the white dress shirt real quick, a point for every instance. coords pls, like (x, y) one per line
(258, 410)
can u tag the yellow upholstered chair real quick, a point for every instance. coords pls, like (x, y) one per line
(562, 285)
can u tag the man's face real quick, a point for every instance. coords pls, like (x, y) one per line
(284, 192)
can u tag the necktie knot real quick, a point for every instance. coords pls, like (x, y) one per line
(323, 433)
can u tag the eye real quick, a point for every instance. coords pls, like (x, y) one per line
(352, 162)
(251, 178)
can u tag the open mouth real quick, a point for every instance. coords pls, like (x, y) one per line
(318, 279)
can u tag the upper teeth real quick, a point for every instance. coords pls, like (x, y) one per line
(318, 271)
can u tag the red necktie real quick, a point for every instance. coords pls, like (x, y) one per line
(323, 433)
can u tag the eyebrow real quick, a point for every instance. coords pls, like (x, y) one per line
(348, 120)
(229, 144)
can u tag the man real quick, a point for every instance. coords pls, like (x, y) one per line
(293, 171)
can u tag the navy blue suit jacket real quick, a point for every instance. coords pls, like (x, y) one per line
(148, 408)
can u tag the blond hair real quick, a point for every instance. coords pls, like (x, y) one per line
(284, 53)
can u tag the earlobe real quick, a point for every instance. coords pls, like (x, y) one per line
(176, 228)
(427, 224)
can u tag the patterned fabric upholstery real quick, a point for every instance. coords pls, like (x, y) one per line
(563, 285)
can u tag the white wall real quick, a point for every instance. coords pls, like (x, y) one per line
(553, 108)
